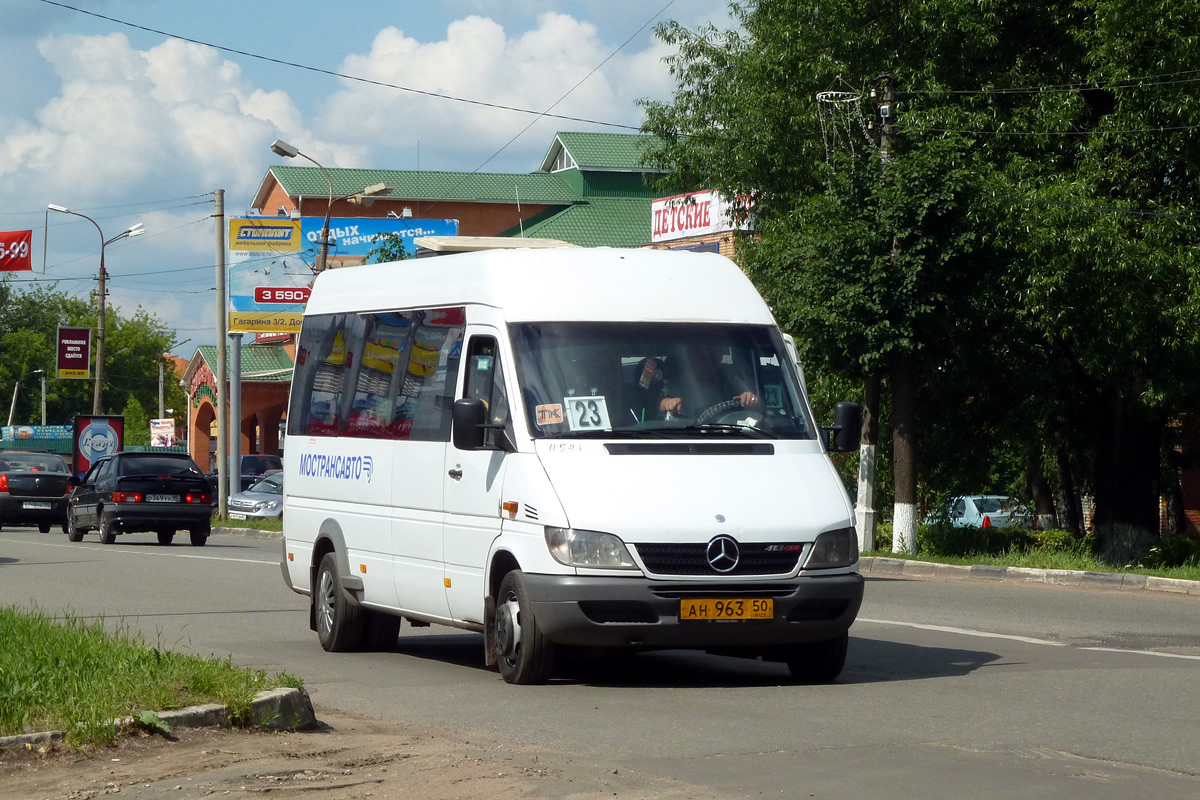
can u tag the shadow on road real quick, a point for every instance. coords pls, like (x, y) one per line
(868, 661)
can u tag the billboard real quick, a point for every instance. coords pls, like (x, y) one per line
(162, 432)
(14, 251)
(94, 437)
(692, 214)
(264, 235)
(74, 350)
(268, 289)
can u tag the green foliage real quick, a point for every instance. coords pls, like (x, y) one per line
(149, 720)
(134, 346)
(137, 424)
(78, 677)
(388, 247)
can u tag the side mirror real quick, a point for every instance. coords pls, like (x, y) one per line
(846, 430)
(468, 416)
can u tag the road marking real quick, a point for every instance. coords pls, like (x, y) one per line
(1015, 638)
(124, 551)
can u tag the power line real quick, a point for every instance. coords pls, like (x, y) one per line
(335, 74)
(1164, 79)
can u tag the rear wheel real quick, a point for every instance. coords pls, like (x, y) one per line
(74, 532)
(199, 535)
(108, 534)
(43, 527)
(166, 536)
(523, 653)
(339, 618)
(819, 662)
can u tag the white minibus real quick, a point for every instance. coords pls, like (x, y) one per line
(565, 448)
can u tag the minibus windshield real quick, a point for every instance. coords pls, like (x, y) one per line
(657, 380)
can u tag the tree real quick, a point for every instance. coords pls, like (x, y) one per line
(137, 423)
(388, 247)
(28, 323)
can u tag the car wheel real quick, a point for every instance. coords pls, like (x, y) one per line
(108, 534)
(819, 662)
(74, 532)
(43, 527)
(166, 536)
(339, 618)
(199, 535)
(523, 652)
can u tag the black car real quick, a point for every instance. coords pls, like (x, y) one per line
(33, 489)
(131, 492)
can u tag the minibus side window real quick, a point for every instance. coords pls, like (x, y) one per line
(317, 379)
(485, 381)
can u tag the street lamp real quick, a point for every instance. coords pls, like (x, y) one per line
(282, 148)
(13, 407)
(134, 230)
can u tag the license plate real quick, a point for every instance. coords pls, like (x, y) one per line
(235, 515)
(35, 506)
(702, 609)
(162, 498)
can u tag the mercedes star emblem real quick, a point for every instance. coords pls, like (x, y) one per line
(722, 553)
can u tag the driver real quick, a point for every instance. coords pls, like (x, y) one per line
(712, 384)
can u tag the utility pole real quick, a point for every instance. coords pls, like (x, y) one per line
(98, 392)
(43, 398)
(161, 404)
(222, 388)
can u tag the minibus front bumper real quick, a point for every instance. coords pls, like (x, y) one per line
(643, 613)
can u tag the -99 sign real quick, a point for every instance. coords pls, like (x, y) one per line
(14, 251)
(287, 294)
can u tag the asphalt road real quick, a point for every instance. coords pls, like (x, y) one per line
(952, 688)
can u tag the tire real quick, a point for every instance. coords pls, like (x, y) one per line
(43, 527)
(339, 619)
(166, 536)
(199, 535)
(525, 656)
(819, 662)
(74, 532)
(379, 631)
(107, 534)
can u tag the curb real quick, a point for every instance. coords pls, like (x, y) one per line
(1114, 581)
(249, 533)
(273, 709)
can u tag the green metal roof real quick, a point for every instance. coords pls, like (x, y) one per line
(536, 187)
(597, 222)
(617, 151)
(263, 363)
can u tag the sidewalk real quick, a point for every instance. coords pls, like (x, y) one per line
(877, 567)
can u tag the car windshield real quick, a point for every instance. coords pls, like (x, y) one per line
(272, 484)
(32, 462)
(657, 380)
(158, 465)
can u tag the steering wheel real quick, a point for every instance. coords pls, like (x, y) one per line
(728, 412)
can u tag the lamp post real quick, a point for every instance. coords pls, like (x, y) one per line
(16, 387)
(282, 148)
(135, 230)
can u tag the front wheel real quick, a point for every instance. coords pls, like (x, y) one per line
(819, 662)
(74, 532)
(523, 652)
(339, 618)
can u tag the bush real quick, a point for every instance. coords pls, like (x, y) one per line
(946, 540)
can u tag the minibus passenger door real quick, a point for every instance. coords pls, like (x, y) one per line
(474, 480)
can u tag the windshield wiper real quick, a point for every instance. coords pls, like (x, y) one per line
(726, 427)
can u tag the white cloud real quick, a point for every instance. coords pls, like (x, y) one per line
(479, 61)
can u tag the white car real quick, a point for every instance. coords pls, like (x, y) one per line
(263, 500)
(985, 511)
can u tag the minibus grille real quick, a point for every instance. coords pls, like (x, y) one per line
(759, 558)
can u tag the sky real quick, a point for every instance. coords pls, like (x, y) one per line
(128, 125)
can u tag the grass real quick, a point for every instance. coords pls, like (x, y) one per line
(73, 675)
(1048, 559)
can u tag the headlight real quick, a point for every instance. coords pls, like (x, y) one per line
(267, 505)
(833, 549)
(588, 549)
